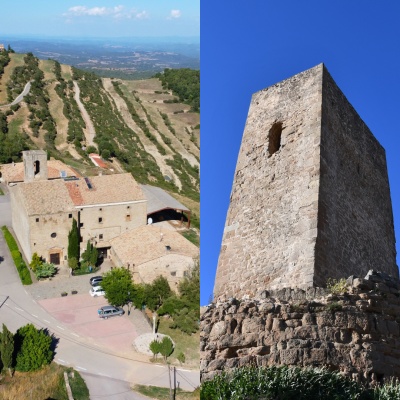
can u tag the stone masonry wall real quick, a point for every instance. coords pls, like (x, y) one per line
(271, 226)
(315, 205)
(355, 221)
(357, 333)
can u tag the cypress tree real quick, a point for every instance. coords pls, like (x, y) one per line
(73, 241)
(7, 348)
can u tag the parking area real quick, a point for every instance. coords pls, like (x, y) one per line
(79, 314)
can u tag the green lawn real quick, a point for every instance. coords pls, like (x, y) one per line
(187, 344)
(155, 392)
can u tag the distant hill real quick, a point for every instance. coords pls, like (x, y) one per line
(137, 126)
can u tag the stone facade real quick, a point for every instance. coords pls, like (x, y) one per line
(104, 206)
(310, 198)
(150, 251)
(357, 333)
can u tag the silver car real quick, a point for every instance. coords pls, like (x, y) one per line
(110, 311)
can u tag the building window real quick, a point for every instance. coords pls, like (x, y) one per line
(100, 236)
(274, 138)
(80, 224)
(173, 273)
(128, 217)
(100, 209)
(69, 215)
(37, 219)
(53, 235)
(128, 207)
(100, 220)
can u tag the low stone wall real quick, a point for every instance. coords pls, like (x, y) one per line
(357, 333)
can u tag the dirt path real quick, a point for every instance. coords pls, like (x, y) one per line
(149, 147)
(56, 110)
(90, 132)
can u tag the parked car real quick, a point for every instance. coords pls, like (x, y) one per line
(110, 311)
(96, 280)
(96, 291)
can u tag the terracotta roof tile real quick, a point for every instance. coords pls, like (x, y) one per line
(149, 242)
(46, 197)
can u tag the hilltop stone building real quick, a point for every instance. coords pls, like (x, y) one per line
(111, 212)
(42, 210)
(150, 251)
(310, 198)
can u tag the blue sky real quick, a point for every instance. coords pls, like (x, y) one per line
(100, 18)
(247, 46)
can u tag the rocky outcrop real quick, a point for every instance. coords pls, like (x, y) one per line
(357, 333)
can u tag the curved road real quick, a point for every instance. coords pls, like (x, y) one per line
(19, 98)
(17, 308)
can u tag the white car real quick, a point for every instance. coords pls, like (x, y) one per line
(96, 291)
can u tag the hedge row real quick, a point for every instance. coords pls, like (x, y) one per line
(22, 269)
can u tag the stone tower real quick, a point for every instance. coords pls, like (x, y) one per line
(35, 165)
(310, 198)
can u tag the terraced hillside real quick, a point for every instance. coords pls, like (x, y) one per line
(136, 126)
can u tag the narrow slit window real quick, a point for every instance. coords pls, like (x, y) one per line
(274, 138)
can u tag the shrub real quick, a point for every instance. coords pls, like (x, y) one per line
(181, 358)
(45, 270)
(33, 348)
(281, 383)
(22, 269)
(36, 262)
(337, 286)
(73, 263)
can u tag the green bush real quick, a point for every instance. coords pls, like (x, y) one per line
(33, 348)
(336, 286)
(45, 270)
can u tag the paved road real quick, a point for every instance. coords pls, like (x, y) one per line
(18, 308)
(19, 98)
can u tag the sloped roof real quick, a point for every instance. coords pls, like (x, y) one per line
(48, 197)
(105, 189)
(158, 199)
(149, 242)
(15, 172)
(45, 197)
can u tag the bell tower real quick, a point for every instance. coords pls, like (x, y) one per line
(35, 165)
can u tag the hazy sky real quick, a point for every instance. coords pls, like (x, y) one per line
(105, 18)
(248, 46)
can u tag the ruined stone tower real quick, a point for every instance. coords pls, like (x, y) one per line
(310, 198)
(35, 165)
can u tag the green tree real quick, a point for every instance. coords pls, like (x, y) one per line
(7, 348)
(189, 287)
(34, 349)
(36, 262)
(156, 293)
(155, 347)
(166, 347)
(73, 241)
(73, 263)
(118, 286)
(90, 255)
(185, 320)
